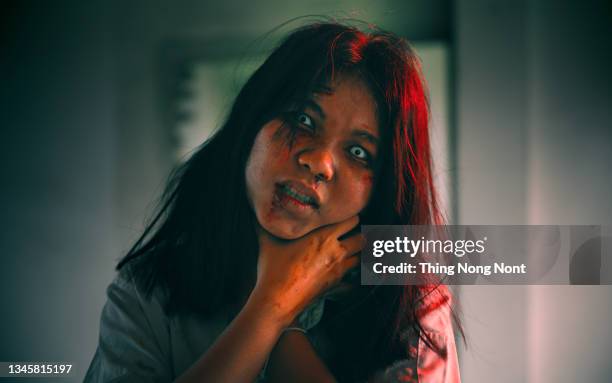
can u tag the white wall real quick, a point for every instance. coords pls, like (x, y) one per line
(58, 155)
(535, 144)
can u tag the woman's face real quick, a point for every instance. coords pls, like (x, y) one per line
(323, 173)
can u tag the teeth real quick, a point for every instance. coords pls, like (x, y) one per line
(300, 197)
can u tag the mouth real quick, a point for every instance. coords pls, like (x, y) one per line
(299, 194)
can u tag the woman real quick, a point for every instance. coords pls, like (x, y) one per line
(244, 275)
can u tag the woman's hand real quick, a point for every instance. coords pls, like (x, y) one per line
(292, 273)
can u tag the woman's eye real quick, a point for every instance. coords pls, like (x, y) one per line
(359, 152)
(304, 119)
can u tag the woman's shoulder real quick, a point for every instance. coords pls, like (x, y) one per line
(138, 275)
(127, 292)
(133, 341)
(124, 277)
(435, 312)
(433, 298)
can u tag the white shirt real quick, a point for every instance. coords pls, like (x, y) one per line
(139, 343)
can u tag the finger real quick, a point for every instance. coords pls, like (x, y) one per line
(353, 244)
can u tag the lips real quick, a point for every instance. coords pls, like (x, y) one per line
(300, 192)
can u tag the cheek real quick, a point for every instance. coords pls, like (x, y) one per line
(359, 191)
(265, 154)
(254, 168)
(285, 154)
(367, 180)
(280, 142)
(366, 187)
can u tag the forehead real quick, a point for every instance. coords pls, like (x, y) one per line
(348, 99)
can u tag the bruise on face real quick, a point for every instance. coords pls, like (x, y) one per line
(271, 215)
(285, 153)
(368, 179)
(287, 134)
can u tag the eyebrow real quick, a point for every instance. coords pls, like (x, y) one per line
(310, 103)
(367, 135)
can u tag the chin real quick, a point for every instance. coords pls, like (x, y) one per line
(285, 230)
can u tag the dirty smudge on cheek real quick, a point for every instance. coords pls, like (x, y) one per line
(364, 187)
(367, 179)
(285, 153)
(288, 137)
(271, 214)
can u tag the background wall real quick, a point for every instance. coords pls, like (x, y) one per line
(85, 150)
(59, 156)
(534, 147)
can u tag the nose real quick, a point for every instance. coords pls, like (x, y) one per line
(319, 162)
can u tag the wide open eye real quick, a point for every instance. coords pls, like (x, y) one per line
(359, 152)
(304, 119)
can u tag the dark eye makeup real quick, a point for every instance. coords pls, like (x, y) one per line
(301, 121)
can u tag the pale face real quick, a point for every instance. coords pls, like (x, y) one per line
(326, 175)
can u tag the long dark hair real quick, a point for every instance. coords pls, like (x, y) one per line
(201, 248)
